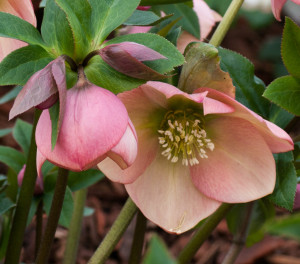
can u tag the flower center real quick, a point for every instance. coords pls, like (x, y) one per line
(182, 136)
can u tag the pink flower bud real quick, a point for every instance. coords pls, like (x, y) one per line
(297, 198)
(48, 103)
(39, 185)
(143, 8)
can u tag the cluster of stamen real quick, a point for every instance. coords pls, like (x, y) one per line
(182, 136)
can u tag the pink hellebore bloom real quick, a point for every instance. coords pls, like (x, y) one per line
(22, 9)
(95, 125)
(277, 5)
(195, 152)
(207, 19)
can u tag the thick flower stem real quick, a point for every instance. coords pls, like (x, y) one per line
(115, 233)
(75, 227)
(240, 237)
(39, 226)
(138, 239)
(226, 22)
(24, 202)
(202, 234)
(56, 206)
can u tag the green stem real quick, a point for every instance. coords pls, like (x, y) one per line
(75, 227)
(202, 234)
(39, 226)
(138, 239)
(240, 237)
(24, 201)
(226, 22)
(115, 233)
(55, 210)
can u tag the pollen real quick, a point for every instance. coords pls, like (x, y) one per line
(182, 137)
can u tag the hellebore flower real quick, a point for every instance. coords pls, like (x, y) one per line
(207, 19)
(22, 9)
(95, 125)
(195, 152)
(277, 6)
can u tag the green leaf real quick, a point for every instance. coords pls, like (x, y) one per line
(67, 208)
(189, 21)
(107, 15)
(5, 131)
(78, 13)
(279, 116)
(33, 207)
(13, 187)
(56, 30)
(5, 204)
(83, 179)
(101, 74)
(157, 43)
(290, 48)
(54, 115)
(22, 134)
(144, 18)
(157, 253)
(285, 92)
(12, 158)
(262, 211)
(286, 181)
(287, 226)
(12, 94)
(249, 88)
(21, 64)
(161, 2)
(17, 28)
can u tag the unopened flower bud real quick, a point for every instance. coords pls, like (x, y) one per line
(49, 102)
(39, 186)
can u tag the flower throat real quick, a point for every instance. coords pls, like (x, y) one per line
(182, 136)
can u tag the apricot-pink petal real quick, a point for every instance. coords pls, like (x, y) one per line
(166, 195)
(94, 122)
(277, 6)
(22, 9)
(160, 92)
(147, 150)
(276, 138)
(241, 167)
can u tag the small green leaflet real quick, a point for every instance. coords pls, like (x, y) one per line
(54, 115)
(285, 92)
(286, 181)
(290, 48)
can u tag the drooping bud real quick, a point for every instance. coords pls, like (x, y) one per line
(39, 185)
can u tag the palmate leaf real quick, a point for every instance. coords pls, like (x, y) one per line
(21, 64)
(14, 27)
(107, 15)
(56, 30)
(161, 2)
(144, 18)
(78, 13)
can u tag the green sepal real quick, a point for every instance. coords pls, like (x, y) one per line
(290, 47)
(21, 64)
(286, 181)
(285, 92)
